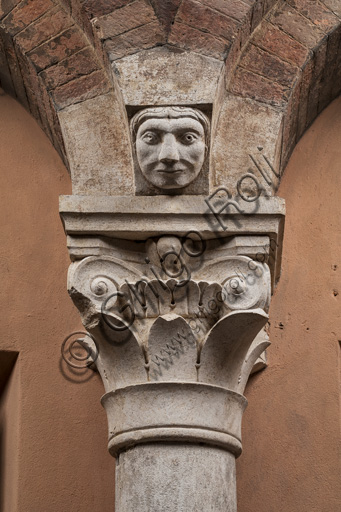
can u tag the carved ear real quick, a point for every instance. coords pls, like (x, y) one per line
(227, 344)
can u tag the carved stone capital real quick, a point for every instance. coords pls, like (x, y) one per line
(178, 318)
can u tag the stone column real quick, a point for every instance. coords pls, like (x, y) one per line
(176, 316)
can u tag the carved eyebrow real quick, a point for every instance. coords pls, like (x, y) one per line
(188, 130)
(153, 130)
(177, 131)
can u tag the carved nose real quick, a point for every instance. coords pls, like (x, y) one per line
(169, 151)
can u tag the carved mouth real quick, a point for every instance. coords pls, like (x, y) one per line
(170, 171)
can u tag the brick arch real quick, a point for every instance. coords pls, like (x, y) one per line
(284, 55)
(48, 60)
(54, 52)
(215, 28)
(292, 63)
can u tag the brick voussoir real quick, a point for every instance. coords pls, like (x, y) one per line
(24, 14)
(297, 26)
(189, 38)
(315, 12)
(79, 64)
(270, 66)
(274, 40)
(135, 14)
(259, 88)
(81, 89)
(50, 24)
(56, 49)
(203, 18)
(135, 40)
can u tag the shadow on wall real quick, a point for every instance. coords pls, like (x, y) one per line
(7, 429)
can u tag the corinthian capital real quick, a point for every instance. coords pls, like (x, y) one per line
(178, 317)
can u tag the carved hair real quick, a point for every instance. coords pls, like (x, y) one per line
(169, 113)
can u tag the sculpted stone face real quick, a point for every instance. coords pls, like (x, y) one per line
(171, 150)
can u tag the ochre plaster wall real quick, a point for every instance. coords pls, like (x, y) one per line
(291, 427)
(62, 455)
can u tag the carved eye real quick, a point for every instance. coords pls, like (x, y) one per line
(150, 138)
(188, 138)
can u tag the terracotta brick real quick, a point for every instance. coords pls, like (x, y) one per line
(254, 86)
(16, 74)
(96, 8)
(276, 41)
(297, 26)
(165, 11)
(53, 123)
(25, 13)
(81, 89)
(305, 82)
(6, 6)
(267, 5)
(79, 64)
(127, 18)
(135, 40)
(44, 28)
(81, 18)
(232, 59)
(315, 12)
(318, 72)
(257, 15)
(333, 5)
(5, 75)
(290, 126)
(336, 88)
(202, 18)
(332, 65)
(190, 38)
(235, 8)
(55, 50)
(269, 66)
(32, 86)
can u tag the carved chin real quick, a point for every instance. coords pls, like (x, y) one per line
(169, 181)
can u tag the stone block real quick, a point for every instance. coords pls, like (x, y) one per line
(158, 76)
(271, 38)
(95, 134)
(247, 129)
